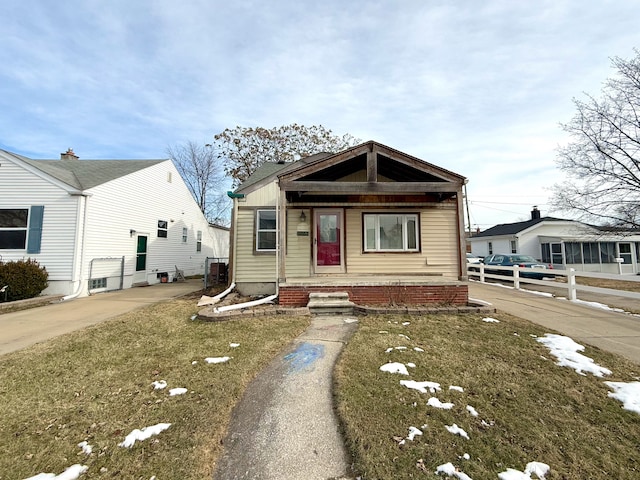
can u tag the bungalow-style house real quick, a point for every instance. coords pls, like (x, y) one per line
(371, 221)
(563, 243)
(99, 225)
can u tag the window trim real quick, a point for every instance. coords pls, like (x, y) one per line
(199, 241)
(405, 237)
(258, 230)
(163, 229)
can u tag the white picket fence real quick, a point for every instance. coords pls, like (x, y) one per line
(571, 284)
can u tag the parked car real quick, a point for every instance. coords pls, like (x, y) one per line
(523, 261)
(471, 258)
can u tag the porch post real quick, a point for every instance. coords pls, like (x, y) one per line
(462, 240)
(282, 235)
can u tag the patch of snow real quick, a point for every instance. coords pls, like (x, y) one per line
(418, 349)
(456, 430)
(159, 385)
(403, 336)
(394, 367)
(350, 320)
(472, 411)
(234, 345)
(466, 456)
(421, 386)
(434, 402)
(490, 320)
(217, 359)
(177, 391)
(411, 365)
(451, 471)
(391, 349)
(627, 393)
(406, 324)
(86, 448)
(538, 469)
(456, 388)
(71, 473)
(413, 432)
(383, 331)
(140, 435)
(194, 362)
(601, 306)
(566, 351)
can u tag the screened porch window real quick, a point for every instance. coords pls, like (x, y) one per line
(265, 230)
(390, 232)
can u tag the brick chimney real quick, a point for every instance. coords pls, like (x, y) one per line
(535, 213)
(69, 155)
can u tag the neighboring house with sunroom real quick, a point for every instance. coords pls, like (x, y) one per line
(99, 225)
(377, 223)
(564, 244)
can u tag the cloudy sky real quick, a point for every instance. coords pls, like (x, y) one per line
(476, 87)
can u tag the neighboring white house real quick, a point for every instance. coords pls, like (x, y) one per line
(563, 243)
(99, 225)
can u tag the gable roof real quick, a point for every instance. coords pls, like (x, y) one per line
(514, 228)
(327, 167)
(85, 174)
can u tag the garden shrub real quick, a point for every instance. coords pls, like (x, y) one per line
(25, 279)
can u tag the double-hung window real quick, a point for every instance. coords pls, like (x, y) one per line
(13, 228)
(391, 232)
(266, 230)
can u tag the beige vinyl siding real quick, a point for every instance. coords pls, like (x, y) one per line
(298, 259)
(263, 197)
(438, 239)
(249, 266)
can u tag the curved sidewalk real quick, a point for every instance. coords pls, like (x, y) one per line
(21, 329)
(611, 331)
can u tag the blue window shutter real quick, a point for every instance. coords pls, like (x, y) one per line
(34, 240)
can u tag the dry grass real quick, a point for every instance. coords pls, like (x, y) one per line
(95, 386)
(534, 410)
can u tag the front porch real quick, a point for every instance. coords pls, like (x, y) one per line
(377, 290)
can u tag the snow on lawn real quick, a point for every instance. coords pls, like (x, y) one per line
(456, 430)
(177, 391)
(472, 411)
(234, 345)
(391, 349)
(490, 320)
(421, 386)
(627, 393)
(566, 351)
(217, 359)
(86, 448)
(140, 435)
(159, 385)
(71, 473)
(418, 349)
(394, 367)
(451, 471)
(538, 469)
(456, 388)
(434, 402)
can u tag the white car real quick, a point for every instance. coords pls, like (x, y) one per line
(473, 259)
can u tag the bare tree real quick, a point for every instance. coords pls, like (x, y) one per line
(245, 149)
(602, 160)
(201, 168)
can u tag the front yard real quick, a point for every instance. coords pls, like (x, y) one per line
(103, 386)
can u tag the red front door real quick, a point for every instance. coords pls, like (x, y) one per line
(328, 234)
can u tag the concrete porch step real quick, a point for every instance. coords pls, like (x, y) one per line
(330, 303)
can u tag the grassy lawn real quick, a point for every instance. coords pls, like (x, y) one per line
(529, 408)
(96, 386)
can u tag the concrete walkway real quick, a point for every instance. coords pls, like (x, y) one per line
(611, 331)
(27, 327)
(285, 427)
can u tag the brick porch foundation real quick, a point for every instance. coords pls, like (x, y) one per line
(458, 294)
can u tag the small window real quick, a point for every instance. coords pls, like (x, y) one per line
(199, 241)
(13, 228)
(556, 253)
(184, 235)
(162, 229)
(513, 247)
(490, 248)
(573, 252)
(266, 230)
(169, 177)
(608, 252)
(390, 232)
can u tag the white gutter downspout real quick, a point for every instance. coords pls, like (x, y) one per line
(80, 239)
(270, 298)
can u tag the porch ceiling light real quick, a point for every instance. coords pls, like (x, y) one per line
(303, 217)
